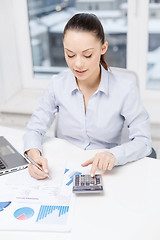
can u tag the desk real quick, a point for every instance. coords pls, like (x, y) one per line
(129, 209)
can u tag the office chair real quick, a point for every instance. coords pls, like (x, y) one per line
(153, 154)
(125, 132)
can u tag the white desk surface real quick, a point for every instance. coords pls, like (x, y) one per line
(129, 209)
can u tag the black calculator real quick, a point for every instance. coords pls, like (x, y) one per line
(86, 183)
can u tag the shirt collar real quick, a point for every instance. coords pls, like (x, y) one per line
(72, 84)
(103, 86)
(104, 83)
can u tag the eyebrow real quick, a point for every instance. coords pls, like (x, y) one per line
(82, 51)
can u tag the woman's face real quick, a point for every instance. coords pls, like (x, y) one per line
(82, 53)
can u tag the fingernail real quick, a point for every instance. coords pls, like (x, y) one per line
(91, 174)
(47, 175)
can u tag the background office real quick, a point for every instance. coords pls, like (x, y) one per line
(31, 50)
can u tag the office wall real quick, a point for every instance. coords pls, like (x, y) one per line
(9, 64)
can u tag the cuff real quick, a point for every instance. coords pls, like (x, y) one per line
(32, 140)
(118, 154)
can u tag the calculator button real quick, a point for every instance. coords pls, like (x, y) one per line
(86, 183)
(2, 166)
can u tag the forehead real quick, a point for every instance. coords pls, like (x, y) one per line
(80, 40)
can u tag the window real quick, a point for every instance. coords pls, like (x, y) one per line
(153, 71)
(27, 60)
(48, 18)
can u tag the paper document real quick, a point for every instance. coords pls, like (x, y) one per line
(42, 205)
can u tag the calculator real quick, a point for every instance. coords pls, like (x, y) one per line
(87, 184)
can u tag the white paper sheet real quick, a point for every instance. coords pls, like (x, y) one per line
(43, 205)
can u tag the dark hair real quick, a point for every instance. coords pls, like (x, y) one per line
(89, 23)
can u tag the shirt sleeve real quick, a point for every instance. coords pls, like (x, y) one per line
(138, 123)
(41, 120)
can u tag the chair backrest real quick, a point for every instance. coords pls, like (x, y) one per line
(130, 75)
(124, 71)
(125, 131)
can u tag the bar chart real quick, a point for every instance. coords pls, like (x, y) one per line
(53, 214)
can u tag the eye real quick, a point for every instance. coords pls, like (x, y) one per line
(70, 56)
(89, 56)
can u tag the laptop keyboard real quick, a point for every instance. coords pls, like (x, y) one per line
(2, 166)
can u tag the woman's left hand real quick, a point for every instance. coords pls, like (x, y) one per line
(102, 161)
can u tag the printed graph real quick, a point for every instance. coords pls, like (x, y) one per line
(53, 214)
(4, 205)
(23, 213)
(71, 175)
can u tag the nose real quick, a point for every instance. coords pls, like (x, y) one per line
(79, 62)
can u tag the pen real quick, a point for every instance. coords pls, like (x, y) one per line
(34, 163)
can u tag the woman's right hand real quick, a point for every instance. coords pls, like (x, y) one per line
(33, 170)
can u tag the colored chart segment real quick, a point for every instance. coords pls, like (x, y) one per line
(66, 170)
(23, 213)
(71, 175)
(4, 205)
(53, 214)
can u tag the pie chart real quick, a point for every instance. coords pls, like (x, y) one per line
(23, 213)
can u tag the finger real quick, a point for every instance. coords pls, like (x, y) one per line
(110, 165)
(88, 162)
(35, 172)
(101, 163)
(105, 164)
(43, 162)
(94, 166)
(39, 172)
(32, 173)
(45, 165)
(38, 176)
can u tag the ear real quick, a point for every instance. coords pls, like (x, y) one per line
(104, 48)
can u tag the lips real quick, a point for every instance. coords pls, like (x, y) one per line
(80, 72)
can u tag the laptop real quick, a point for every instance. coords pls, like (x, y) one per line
(10, 159)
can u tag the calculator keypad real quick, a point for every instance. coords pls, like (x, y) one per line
(87, 183)
(2, 166)
(86, 180)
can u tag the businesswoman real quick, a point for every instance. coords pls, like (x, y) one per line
(91, 103)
